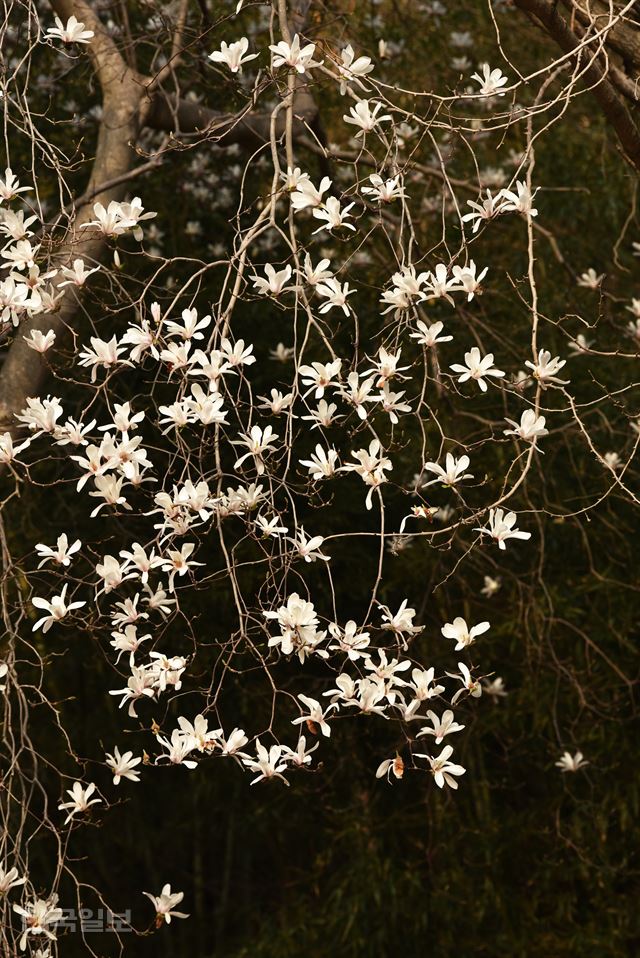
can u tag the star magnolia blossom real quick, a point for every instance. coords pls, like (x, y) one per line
(530, 427)
(351, 68)
(459, 631)
(72, 31)
(365, 117)
(57, 608)
(571, 763)
(80, 800)
(444, 772)
(491, 81)
(440, 727)
(546, 368)
(62, 554)
(37, 916)
(452, 473)
(477, 367)
(502, 527)
(164, 904)
(294, 56)
(233, 55)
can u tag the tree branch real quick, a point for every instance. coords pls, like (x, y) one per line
(612, 104)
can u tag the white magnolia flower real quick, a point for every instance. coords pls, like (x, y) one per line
(371, 465)
(270, 527)
(365, 117)
(164, 903)
(40, 342)
(571, 763)
(590, 279)
(297, 620)
(392, 404)
(444, 772)
(495, 689)
(439, 284)
(391, 766)
(14, 225)
(335, 294)
(269, 763)
(234, 55)
(260, 442)
(491, 586)
(302, 755)
(401, 623)
(462, 634)
(502, 527)
(234, 742)
(41, 415)
(320, 376)
(316, 274)
(352, 68)
(429, 336)
(314, 714)
(110, 221)
(491, 81)
(441, 727)
(529, 428)
(102, 353)
(468, 683)
(322, 464)
(10, 186)
(293, 55)
(38, 916)
(56, 609)
(191, 326)
(282, 353)
(324, 415)
(545, 369)
(137, 688)
(452, 473)
(9, 879)
(308, 548)
(78, 275)
(178, 747)
(307, 196)
(476, 367)
(72, 31)
(386, 366)
(79, 795)
(123, 766)
(486, 209)
(61, 555)
(634, 308)
(275, 282)
(465, 277)
(580, 346)
(277, 404)
(384, 191)
(519, 202)
(349, 639)
(333, 214)
(8, 451)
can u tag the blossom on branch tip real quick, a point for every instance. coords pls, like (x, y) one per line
(233, 55)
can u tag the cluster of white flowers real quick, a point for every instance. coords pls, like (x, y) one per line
(197, 459)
